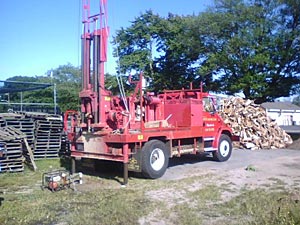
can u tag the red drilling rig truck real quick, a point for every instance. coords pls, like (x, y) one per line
(141, 130)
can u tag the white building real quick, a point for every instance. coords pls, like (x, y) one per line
(284, 113)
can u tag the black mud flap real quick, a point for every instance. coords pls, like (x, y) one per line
(135, 162)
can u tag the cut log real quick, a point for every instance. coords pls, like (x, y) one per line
(250, 122)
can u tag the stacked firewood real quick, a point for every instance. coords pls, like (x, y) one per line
(250, 122)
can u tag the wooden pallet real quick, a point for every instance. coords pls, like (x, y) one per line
(39, 132)
(47, 134)
(12, 159)
(14, 138)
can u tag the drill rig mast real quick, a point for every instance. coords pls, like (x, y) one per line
(94, 56)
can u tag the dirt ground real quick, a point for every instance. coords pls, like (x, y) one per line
(284, 163)
(187, 179)
(295, 145)
(251, 168)
(246, 169)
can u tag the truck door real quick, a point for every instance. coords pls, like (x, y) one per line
(211, 120)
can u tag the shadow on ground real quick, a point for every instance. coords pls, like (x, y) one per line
(114, 170)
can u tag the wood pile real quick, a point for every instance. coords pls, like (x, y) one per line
(2, 122)
(251, 124)
(47, 134)
(13, 129)
(42, 132)
(20, 122)
(11, 159)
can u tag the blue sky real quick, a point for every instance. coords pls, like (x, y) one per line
(38, 35)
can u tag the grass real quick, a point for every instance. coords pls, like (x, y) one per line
(105, 207)
(261, 207)
(16, 181)
(186, 215)
(193, 200)
(24, 202)
(197, 205)
(208, 193)
(250, 207)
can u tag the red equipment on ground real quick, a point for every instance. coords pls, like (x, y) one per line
(143, 130)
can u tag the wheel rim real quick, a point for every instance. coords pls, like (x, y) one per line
(224, 148)
(157, 159)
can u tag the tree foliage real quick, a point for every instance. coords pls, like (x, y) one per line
(67, 80)
(164, 49)
(112, 84)
(256, 47)
(296, 100)
(250, 47)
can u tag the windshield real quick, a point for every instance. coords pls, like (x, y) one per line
(208, 104)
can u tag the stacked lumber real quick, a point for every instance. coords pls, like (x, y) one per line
(11, 159)
(20, 122)
(250, 122)
(2, 122)
(40, 132)
(13, 129)
(47, 135)
(43, 132)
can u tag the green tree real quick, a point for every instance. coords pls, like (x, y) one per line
(14, 89)
(135, 45)
(296, 100)
(67, 80)
(236, 46)
(165, 49)
(181, 49)
(253, 47)
(112, 84)
(68, 83)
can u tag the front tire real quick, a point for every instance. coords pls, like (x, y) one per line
(155, 159)
(224, 149)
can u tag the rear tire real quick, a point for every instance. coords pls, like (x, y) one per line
(224, 149)
(155, 159)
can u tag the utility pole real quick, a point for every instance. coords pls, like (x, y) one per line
(21, 101)
(54, 92)
(54, 97)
